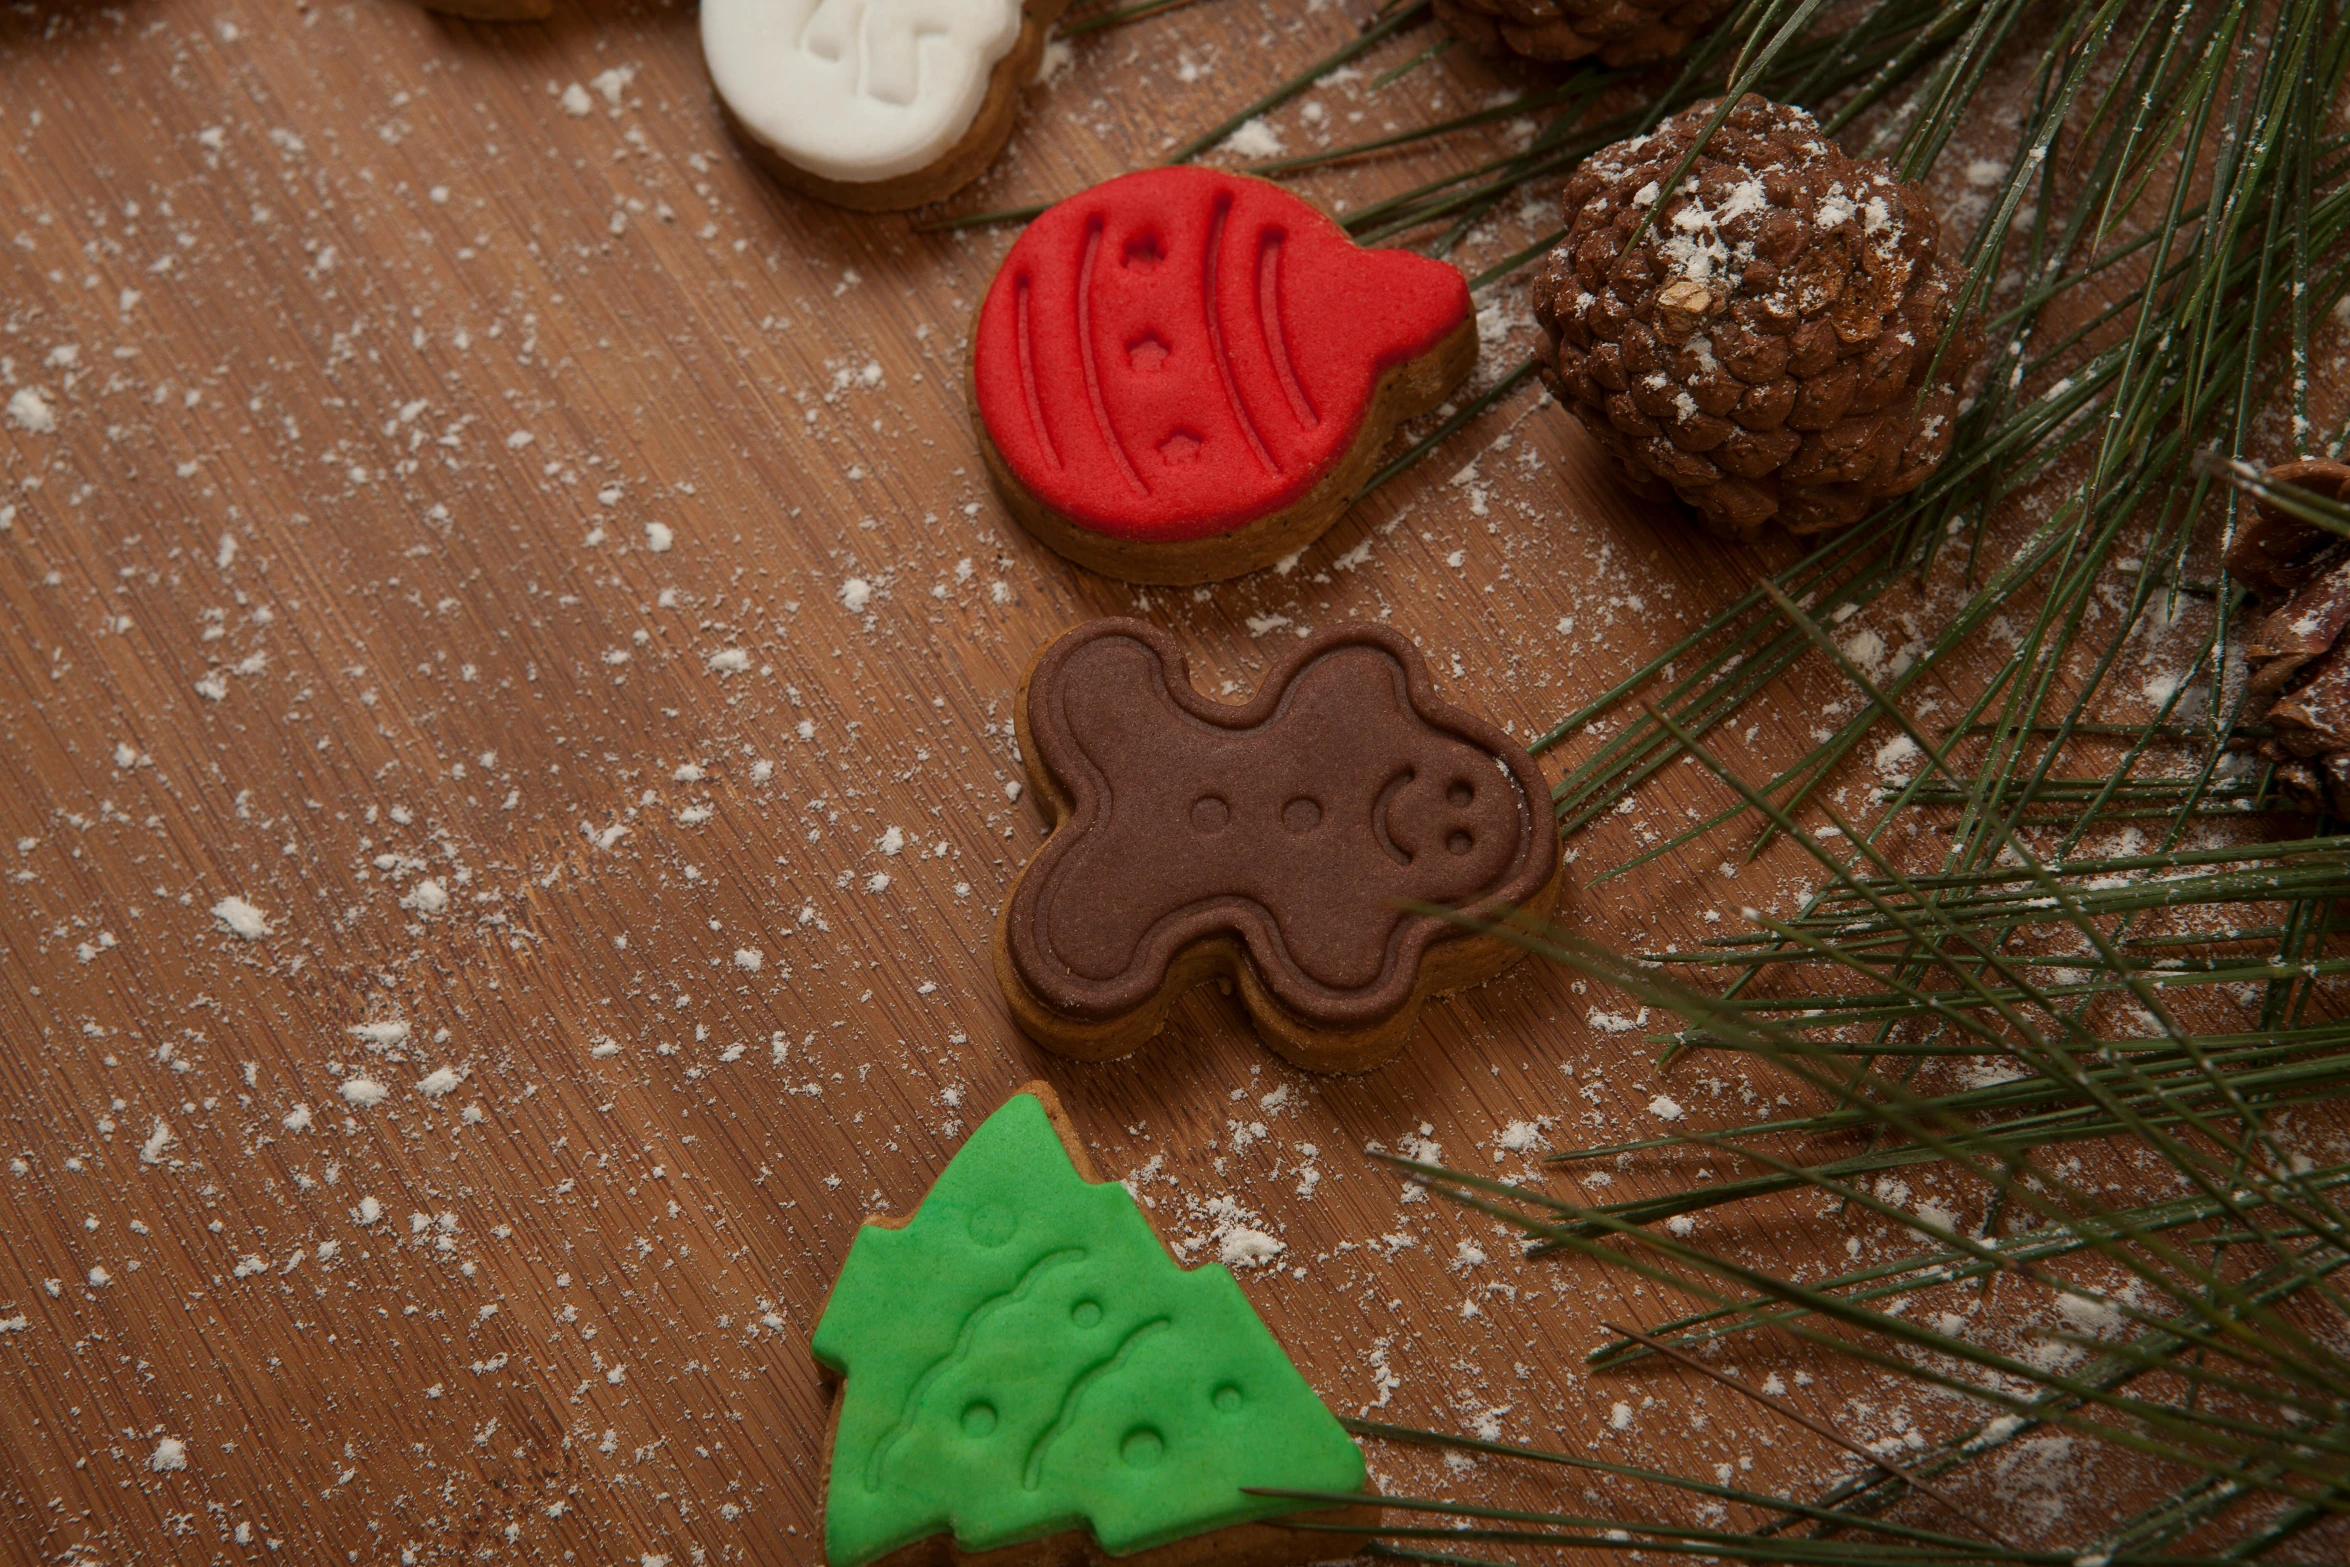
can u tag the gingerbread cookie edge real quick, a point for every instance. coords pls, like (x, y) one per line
(1448, 965)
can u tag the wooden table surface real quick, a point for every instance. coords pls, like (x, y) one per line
(405, 417)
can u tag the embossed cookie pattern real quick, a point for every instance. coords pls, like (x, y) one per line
(1022, 1360)
(1275, 843)
(873, 104)
(1181, 374)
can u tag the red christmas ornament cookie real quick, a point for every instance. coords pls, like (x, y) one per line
(1182, 374)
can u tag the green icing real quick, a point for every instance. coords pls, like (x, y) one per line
(1023, 1358)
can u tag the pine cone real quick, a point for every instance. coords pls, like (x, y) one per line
(1620, 32)
(1764, 351)
(2300, 651)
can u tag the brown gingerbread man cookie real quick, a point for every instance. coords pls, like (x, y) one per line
(1274, 843)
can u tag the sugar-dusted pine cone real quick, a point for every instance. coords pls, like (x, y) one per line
(1620, 32)
(1764, 351)
(2299, 651)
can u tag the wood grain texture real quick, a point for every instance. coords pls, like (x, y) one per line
(433, 443)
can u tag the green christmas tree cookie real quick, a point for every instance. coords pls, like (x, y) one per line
(1024, 1359)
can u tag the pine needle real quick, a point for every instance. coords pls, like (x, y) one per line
(2137, 320)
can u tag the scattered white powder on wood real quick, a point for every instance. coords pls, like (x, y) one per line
(1246, 1248)
(240, 918)
(151, 1151)
(297, 1119)
(1664, 1108)
(855, 594)
(2093, 1318)
(170, 1453)
(612, 83)
(392, 1031)
(439, 1081)
(1866, 651)
(577, 103)
(426, 897)
(658, 538)
(1255, 139)
(730, 661)
(750, 959)
(364, 1091)
(29, 410)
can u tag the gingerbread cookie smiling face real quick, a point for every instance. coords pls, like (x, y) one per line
(1275, 842)
(1183, 374)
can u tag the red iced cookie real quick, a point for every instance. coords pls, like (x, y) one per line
(1182, 374)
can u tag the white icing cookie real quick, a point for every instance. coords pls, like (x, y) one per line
(857, 91)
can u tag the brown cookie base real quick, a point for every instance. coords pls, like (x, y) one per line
(962, 163)
(492, 10)
(1404, 392)
(1243, 1545)
(1470, 959)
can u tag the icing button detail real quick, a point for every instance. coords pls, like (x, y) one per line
(1209, 813)
(1143, 1447)
(993, 1225)
(1226, 1398)
(978, 1418)
(1086, 1313)
(1301, 815)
